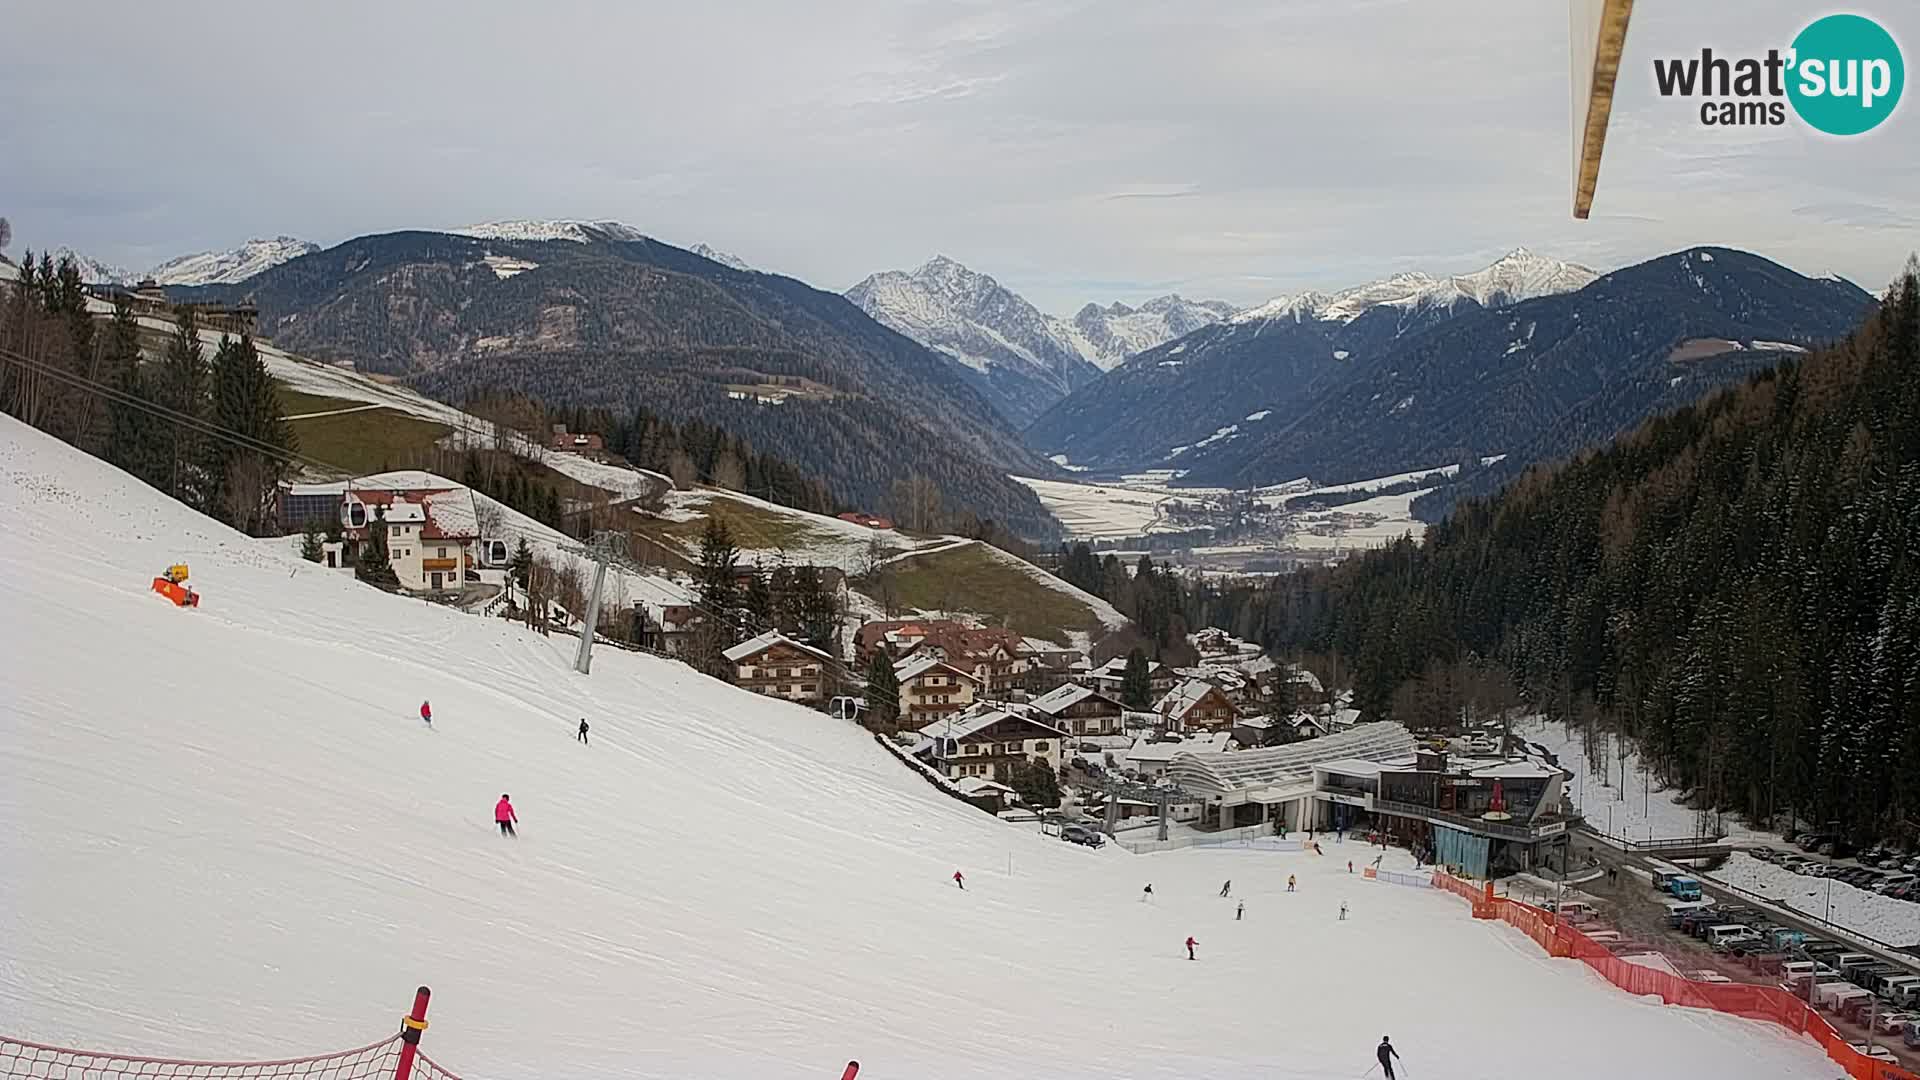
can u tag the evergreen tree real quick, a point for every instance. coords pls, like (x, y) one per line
(521, 566)
(181, 388)
(1035, 783)
(310, 541)
(242, 481)
(1136, 681)
(757, 604)
(137, 441)
(883, 694)
(714, 577)
(372, 564)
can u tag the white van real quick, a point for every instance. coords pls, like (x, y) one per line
(1894, 881)
(1719, 937)
(1903, 991)
(1837, 1002)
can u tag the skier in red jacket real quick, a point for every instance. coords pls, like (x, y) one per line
(426, 713)
(504, 816)
(1190, 944)
(959, 879)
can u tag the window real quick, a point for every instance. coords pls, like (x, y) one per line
(1040, 747)
(807, 688)
(976, 748)
(443, 553)
(1013, 748)
(786, 689)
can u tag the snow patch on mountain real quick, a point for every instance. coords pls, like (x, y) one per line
(230, 267)
(579, 232)
(1518, 275)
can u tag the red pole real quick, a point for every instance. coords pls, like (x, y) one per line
(853, 1070)
(410, 1029)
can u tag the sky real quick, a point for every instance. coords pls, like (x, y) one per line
(1076, 151)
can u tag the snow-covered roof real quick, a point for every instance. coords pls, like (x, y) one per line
(451, 516)
(980, 785)
(915, 666)
(1290, 764)
(1146, 750)
(1184, 697)
(1346, 718)
(1355, 767)
(1517, 770)
(753, 646)
(977, 720)
(1057, 700)
(405, 513)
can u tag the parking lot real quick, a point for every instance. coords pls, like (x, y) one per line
(1628, 904)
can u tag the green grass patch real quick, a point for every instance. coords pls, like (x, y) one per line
(295, 402)
(976, 579)
(752, 527)
(370, 441)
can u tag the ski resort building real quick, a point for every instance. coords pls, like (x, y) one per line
(778, 666)
(433, 526)
(1248, 787)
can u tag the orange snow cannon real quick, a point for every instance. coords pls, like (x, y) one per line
(173, 585)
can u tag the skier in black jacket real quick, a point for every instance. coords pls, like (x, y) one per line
(1386, 1053)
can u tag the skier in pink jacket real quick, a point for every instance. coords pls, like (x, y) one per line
(426, 713)
(504, 816)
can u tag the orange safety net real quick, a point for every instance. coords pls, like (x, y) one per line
(1768, 1003)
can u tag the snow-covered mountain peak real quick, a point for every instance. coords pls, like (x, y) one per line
(92, 271)
(721, 257)
(579, 232)
(229, 267)
(1518, 275)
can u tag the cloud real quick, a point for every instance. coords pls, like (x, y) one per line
(1075, 150)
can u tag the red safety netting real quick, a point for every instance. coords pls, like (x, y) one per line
(1769, 1003)
(34, 1061)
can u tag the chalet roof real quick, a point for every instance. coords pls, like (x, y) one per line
(401, 512)
(967, 724)
(754, 646)
(980, 785)
(1150, 752)
(1060, 699)
(915, 666)
(1181, 699)
(1346, 718)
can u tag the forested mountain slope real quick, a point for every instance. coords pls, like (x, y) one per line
(1736, 583)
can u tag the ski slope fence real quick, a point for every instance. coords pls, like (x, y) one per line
(396, 1057)
(1768, 1003)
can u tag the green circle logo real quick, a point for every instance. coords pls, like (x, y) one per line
(1847, 75)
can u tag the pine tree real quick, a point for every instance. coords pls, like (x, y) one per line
(242, 480)
(182, 389)
(372, 565)
(1136, 681)
(521, 566)
(137, 440)
(310, 542)
(1035, 783)
(883, 694)
(714, 577)
(757, 604)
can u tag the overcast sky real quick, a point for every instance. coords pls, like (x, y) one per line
(1076, 151)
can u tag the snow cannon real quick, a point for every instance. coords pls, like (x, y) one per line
(172, 584)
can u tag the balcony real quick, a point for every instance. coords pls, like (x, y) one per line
(440, 565)
(1504, 830)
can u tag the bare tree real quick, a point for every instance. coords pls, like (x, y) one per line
(540, 588)
(492, 519)
(570, 588)
(6, 233)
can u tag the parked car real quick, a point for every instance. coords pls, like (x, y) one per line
(1892, 1023)
(1764, 854)
(1912, 1037)
(1080, 834)
(1894, 881)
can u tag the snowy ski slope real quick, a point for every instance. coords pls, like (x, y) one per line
(224, 833)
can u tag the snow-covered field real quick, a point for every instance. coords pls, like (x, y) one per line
(1895, 922)
(224, 833)
(1624, 803)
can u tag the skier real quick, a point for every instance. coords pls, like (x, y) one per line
(1386, 1053)
(1240, 912)
(1190, 944)
(1376, 861)
(960, 879)
(583, 730)
(1289, 882)
(1349, 866)
(1317, 851)
(426, 713)
(504, 816)
(1146, 894)
(1343, 911)
(1227, 888)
